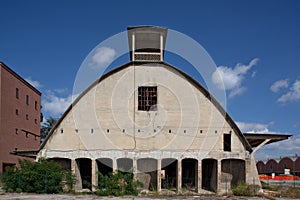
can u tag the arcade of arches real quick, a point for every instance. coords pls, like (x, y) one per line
(156, 174)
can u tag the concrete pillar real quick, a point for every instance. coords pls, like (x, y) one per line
(94, 175)
(75, 170)
(114, 165)
(179, 175)
(199, 180)
(251, 172)
(159, 175)
(219, 170)
(134, 169)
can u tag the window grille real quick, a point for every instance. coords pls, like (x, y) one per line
(147, 98)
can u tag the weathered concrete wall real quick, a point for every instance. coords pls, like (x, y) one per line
(107, 118)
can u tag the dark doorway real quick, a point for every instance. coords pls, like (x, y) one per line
(85, 169)
(169, 165)
(147, 172)
(233, 170)
(189, 173)
(209, 174)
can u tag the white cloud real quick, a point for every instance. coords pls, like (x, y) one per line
(57, 105)
(102, 57)
(34, 83)
(230, 79)
(293, 94)
(253, 127)
(237, 91)
(292, 144)
(276, 86)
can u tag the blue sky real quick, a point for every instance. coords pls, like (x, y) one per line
(255, 43)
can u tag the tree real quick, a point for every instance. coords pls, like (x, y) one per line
(47, 126)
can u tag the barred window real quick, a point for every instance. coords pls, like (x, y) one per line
(147, 98)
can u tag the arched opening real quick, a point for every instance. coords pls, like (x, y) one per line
(169, 167)
(125, 165)
(105, 166)
(65, 163)
(233, 172)
(189, 173)
(85, 171)
(147, 173)
(210, 174)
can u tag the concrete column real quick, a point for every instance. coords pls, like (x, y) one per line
(179, 175)
(159, 175)
(219, 169)
(75, 170)
(251, 171)
(199, 180)
(114, 165)
(134, 169)
(94, 175)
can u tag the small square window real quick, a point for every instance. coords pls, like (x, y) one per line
(147, 98)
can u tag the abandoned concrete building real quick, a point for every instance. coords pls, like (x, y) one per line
(155, 121)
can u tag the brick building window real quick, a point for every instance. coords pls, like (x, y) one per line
(27, 99)
(27, 117)
(35, 105)
(147, 98)
(17, 112)
(17, 93)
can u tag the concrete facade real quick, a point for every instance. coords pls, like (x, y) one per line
(20, 105)
(186, 141)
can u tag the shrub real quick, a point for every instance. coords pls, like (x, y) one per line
(39, 177)
(69, 180)
(116, 184)
(242, 189)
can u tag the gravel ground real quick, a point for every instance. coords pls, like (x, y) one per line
(21, 196)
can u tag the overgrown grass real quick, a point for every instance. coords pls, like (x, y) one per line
(243, 189)
(291, 192)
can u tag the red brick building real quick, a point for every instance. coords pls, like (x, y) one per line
(278, 166)
(20, 105)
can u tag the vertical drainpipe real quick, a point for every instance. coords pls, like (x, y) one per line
(133, 59)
